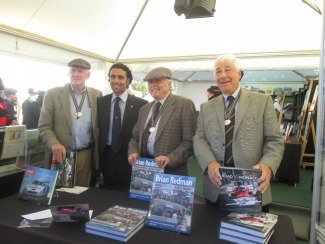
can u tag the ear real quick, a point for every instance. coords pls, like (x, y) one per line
(88, 75)
(128, 81)
(239, 73)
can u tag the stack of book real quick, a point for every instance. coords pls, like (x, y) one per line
(118, 223)
(248, 228)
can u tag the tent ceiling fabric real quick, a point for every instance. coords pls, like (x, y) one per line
(101, 26)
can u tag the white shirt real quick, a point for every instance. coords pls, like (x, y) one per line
(152, 136)
(278, 107)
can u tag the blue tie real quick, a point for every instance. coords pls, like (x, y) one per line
(116, 132)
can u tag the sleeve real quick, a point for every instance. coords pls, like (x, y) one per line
(45, 125)
(134, 141)
(185, 149)
(277, 106)
(273, 142)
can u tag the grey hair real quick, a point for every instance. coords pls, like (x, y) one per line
(167, 82)
(227, 58)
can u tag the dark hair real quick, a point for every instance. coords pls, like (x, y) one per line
(210, 90)
(122, 67)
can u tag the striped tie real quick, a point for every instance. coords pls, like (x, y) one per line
(229, 161)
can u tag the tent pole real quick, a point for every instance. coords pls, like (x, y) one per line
(313, 6)
(131, 30)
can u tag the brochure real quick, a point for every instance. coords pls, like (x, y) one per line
(239, 190)
(12, 138)
(141, 178)
(171, 204)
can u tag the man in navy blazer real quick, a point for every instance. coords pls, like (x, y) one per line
(114, 138)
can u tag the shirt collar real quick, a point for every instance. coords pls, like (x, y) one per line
(163, 100)
(123, 96)
(75, 92)
(234, 94)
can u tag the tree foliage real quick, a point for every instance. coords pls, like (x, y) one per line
(140, 86)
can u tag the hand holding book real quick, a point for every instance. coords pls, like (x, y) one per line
(214, 173)
(264, 180)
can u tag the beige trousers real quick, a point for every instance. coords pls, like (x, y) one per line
(83, 170)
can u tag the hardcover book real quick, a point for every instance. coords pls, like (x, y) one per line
(259, 225)
(66, 169)
(238, 239)
(171, 203)
(117, 222)
(31, 141)
(306, 99)
(12, 138)
(307, 125)
(142, 177)
(313, 104)
(70, 213)
(38, 185)
(239, 190)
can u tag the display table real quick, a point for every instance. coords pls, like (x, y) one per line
(205, 223)
(289, 168)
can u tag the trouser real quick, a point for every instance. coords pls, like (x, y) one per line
(83, 170)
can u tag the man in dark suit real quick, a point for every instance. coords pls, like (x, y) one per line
(210, 94)
(10, 97)
(117, 115)
(165, 126)
(31, 110)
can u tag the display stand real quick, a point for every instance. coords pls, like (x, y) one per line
(304, 139)
(281, 113)
(304, 112)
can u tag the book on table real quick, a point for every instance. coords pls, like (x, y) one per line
(38, 185)
(239, 190)
(171, 203)
(237, 239)
(142, 177)
(66, 169)
(118, 222)
(70, 213)
(258, 225)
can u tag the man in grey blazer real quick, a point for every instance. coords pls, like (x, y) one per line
(256, 141)
(69, 121)
(165, 126)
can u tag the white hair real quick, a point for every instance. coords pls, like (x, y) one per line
(227, 58)
(167, 83)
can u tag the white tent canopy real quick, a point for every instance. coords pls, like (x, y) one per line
(100, 27)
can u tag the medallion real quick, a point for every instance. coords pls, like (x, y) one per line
(152, 129)
(227, 122)
(78, 115)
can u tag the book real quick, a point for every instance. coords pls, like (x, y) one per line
(117, 222)
(313, 103)
(246, 237)
(239, 190)
(287, 91)
(31, 141)
(70, 213)
(235, 239)
(38, 185)
(66, 169)
(12, 138)
(269, 90)
(307, 125)
(277, 91)
(171, 203)
(142, 177)
(254, 224)
(306, 99)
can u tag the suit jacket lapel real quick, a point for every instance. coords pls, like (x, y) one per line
(128, 110)
(243, 103)
(143, 123)
(107, 111)
(65, 99)
(220, 111)
(93, 105)
(168, 110)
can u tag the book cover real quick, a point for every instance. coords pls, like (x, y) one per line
(142, 177)
(307, 125)
(66, 169)
(118, 220)
(171, 203)
(237, 239)
(254, 224)
(313, 103)
(38, 185)
(13, 141)
(239, 190)
(70, 213)
(269, 90)
(306, 99)
(245, 236)
(31, 141)
(287, 91)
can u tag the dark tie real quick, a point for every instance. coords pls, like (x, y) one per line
(146, 132)
(116, 130)
(229, 161)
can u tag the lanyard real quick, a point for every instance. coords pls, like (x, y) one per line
(78, 108)
(230, 109)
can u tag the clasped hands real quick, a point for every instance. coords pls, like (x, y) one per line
(161, 161)
(264, 180)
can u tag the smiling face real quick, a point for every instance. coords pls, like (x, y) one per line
(118, 81)
(227, 77)
(78, 76)
(158, 88)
